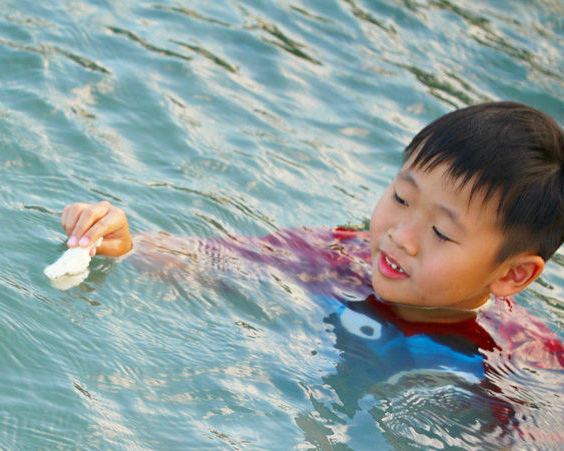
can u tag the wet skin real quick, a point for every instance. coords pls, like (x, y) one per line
(432, 244)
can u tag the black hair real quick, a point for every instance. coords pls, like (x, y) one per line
(509, 151)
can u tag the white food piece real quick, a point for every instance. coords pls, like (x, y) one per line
(67, 281)
(74, 261)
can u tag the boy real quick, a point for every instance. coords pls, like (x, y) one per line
(477, 209)
(469, 220)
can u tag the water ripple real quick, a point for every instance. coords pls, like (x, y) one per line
(47, 50)
(365, 16)
(146, 45)
(192, 14)
(209, 55)
(281, 39)
(239, 118)
(240, 204)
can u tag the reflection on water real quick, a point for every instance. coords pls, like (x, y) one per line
(241, 118)
(133, 37)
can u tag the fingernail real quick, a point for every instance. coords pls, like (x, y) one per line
(84, 241)
(72, 241)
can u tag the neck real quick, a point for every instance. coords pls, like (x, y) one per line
(420, 314)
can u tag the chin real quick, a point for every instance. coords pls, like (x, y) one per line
(391, 295)
(383, 293)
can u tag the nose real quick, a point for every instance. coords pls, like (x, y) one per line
(406, 236)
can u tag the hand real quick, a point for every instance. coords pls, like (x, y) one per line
(85, 223)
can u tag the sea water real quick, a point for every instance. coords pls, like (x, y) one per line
(240, 117)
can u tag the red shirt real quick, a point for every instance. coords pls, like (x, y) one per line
(336, 263)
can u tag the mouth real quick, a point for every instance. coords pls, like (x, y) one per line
(389, 268)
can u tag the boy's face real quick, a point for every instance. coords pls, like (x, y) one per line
(432, 246)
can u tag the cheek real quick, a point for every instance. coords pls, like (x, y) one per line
(375, 225)
(379, 215)
(450, 274)
(439, 273)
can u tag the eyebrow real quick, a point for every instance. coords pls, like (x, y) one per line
(452, 215)
(407, 177)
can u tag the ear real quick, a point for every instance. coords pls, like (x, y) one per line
(518, 272)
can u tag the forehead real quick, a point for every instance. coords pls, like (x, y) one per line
(455, 193)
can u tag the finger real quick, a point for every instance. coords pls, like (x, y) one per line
(88, 218)
(64, 216)
(70, 216)
(108, 224)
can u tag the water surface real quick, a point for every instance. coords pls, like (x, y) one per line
(234, 117)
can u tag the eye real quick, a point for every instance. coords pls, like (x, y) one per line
(399, 200)
(441, 236)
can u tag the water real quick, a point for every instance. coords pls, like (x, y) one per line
(233, 117)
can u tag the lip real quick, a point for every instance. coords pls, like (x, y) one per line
(387, 270)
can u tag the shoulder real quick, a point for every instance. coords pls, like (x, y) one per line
(521, 336)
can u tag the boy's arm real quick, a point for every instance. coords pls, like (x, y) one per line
(85, 223)
(311, 256)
